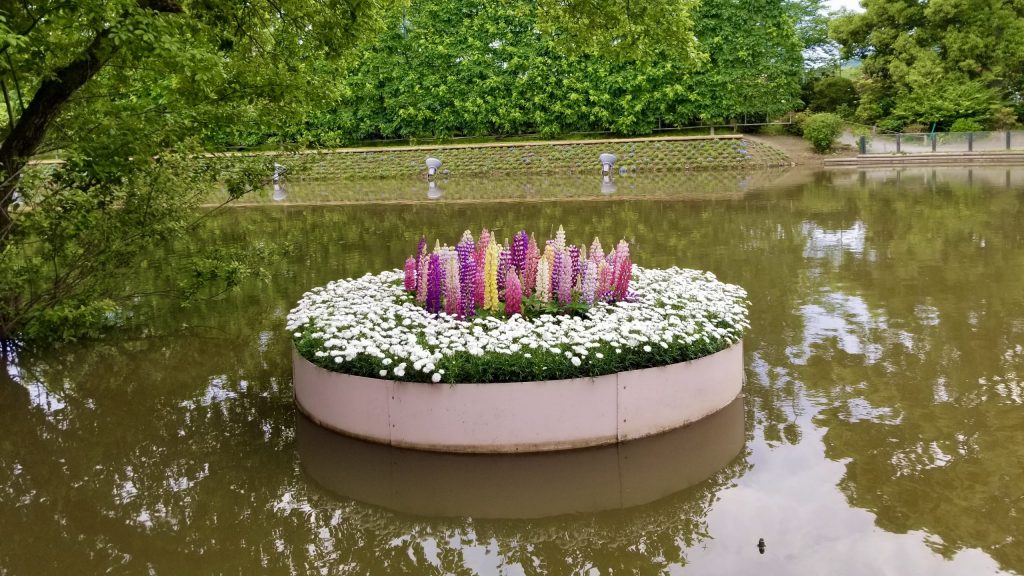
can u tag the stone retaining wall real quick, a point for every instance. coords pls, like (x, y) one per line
(566, 157)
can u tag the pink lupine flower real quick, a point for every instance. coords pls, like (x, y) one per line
(565, 279)
(452, 287)
(421, 279)
(622, 267)
(559, 241)
(622, 277)
(481, 246)
(513, 293)
(604, 281)
(530, 269)
(410, 274)
(621, 250)
(596, 252)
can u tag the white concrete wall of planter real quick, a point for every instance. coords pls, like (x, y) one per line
(519, 416)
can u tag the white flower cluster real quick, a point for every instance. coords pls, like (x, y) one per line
(372, 316)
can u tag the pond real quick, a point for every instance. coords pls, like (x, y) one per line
(881, 429)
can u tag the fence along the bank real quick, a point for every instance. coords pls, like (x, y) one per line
(923, 143)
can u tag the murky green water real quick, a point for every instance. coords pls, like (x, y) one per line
(882, 429)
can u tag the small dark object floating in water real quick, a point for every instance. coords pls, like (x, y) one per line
(760, 545)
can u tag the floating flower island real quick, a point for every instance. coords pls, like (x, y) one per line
(490, 347)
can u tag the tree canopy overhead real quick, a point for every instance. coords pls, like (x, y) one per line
(481, 67)
(120, 87)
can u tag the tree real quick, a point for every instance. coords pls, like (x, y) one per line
(128, 90)
(122, 89)
(832, 93)
(474, 67)
(936, 61)
(812, 22)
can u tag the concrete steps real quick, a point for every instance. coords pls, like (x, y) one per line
(927, 158)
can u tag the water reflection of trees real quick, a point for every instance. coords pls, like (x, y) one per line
(191, 469)
(920, 369)
(177, 451)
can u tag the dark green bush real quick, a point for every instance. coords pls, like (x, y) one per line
(832, 93)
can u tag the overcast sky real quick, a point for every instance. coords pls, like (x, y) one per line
(848, 4)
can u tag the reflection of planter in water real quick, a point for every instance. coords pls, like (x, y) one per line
(520, 416)
(522, 485)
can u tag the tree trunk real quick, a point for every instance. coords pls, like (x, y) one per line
(28, 132)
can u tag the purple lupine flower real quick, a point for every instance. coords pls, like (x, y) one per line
(556, 272)
(410, 274)
(504, 263)
(513, 293)
(565, 282)
(467, 278)
(520, 245)
(574, 258)
(434, 284)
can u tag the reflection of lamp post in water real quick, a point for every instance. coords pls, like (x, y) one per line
(433, 190)
(607, 162)
(279, 190)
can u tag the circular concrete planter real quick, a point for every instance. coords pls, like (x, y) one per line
(521, 486)
(519, 416)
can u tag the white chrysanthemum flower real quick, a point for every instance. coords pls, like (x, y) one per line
(371, 317)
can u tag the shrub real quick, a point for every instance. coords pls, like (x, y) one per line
(796, 128)
(966, 125)
(821, 130)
